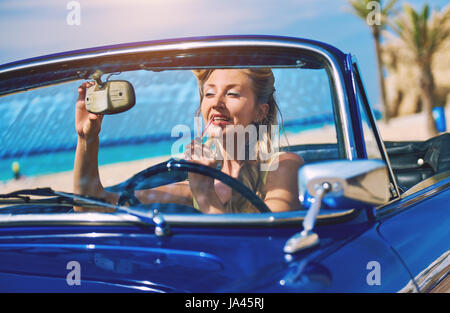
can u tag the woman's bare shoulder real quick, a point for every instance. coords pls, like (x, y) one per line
(282, 183)
(284, 166)
(290, 156)
(285, 159)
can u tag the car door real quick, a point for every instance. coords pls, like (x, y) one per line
(415, 224)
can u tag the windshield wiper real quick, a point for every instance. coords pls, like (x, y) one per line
(52, 197)
(58, 197)
(23, 196)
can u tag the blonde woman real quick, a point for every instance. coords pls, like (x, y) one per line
(228, 98)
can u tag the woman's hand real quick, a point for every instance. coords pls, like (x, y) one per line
(202, 187)
(87, 124)
(197, 152)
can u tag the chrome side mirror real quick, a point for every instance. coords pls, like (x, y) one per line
(348, 184)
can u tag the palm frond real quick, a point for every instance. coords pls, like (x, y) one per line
(422, 31)
(359, 8)
(389, 8)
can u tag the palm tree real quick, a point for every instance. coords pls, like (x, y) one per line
(377, 21)
(424, 34)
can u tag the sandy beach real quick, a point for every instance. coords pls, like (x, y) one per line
(407, 128)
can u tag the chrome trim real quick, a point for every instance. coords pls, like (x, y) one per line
(360, 180)
(397, 205)
(373, 123)
(430, 277)
(69, 235)
(338, 78)
(161, 47)
(426, 183)
(184, 220)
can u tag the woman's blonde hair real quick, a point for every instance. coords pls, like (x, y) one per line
(251, 174)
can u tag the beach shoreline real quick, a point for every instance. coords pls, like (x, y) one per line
(407, 128)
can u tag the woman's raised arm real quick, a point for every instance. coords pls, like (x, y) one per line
(86, 178)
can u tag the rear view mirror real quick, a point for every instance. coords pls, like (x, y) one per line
(110, 97)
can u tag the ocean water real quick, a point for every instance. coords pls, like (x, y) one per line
(50, 162)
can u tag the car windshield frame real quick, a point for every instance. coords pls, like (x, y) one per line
(60, 69)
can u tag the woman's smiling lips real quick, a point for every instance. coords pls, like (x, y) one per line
(219, 119)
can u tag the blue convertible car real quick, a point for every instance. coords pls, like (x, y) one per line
(375, 215)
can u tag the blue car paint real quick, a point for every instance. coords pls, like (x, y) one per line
(196, 260)
(424, 234)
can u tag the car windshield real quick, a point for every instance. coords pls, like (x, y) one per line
(174, 105)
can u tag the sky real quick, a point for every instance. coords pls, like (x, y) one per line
(30, 28)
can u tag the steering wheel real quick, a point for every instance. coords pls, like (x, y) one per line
(176, 170)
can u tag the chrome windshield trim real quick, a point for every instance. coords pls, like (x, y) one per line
(356, 74)
(162, 47)
(185, 220)
(338, 78)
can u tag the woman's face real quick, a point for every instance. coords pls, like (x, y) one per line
(228, 100)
